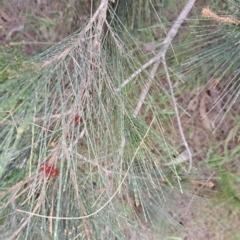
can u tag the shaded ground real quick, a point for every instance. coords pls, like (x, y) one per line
(36, 25)
(216, 154)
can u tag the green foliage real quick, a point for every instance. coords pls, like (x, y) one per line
(65, 111)
(226, 187)
(74, 162)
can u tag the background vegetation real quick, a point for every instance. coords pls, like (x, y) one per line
(108, 131)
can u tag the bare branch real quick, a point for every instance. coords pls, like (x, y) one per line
(162, 53)
(160, 57)
(177, 115)
(99, 15)
(142, 68)
(102, 15)
(101, 9)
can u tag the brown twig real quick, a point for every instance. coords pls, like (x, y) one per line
(100, 14)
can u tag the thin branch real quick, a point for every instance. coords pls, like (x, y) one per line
(135, 74)
(146, 89)
(162, 53)
(119, 47)
(100, 10)
(171, 34)
(160, 57)
(100, 14)
(177, 115)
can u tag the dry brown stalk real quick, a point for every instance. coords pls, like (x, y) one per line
(207, 12)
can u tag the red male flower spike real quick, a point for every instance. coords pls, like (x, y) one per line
(49, 170)
(78, 119)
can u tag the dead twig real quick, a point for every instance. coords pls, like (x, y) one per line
(135, 74)
(101, 9)
(102, 15)
(161, 55)
(99, 15)
(177, 115)
(171, 34)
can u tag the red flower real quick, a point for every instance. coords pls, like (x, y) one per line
(78, 119)
(49, 170)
